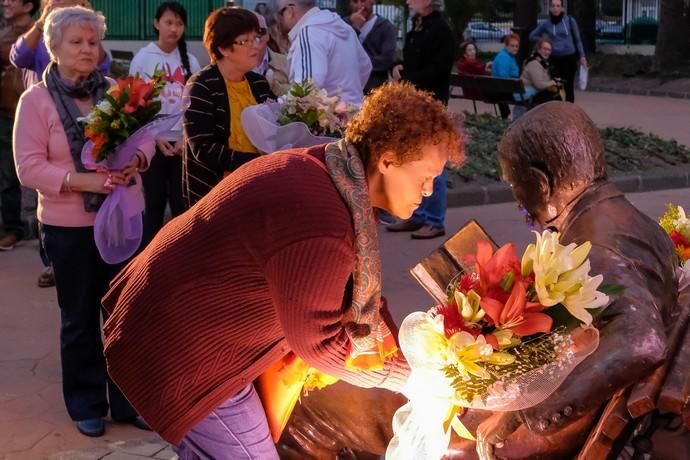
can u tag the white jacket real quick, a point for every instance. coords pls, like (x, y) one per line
(152, 58)
(326, 50)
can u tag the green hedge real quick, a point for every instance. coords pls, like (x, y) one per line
(133, 19)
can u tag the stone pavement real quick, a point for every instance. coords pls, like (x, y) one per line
(33, 421)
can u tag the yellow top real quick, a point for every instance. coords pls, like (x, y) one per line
(240, 96)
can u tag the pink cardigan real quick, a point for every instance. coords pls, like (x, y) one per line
(43, 158)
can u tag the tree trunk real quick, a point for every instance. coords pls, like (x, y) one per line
(585, 13)
(673, 38)
(525, 21)
(342, 7)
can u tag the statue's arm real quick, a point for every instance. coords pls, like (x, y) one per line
(632, 344)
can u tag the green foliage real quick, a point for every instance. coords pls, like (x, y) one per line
(529, 356)
(627, 150)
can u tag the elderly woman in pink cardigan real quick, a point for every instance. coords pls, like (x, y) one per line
(48, 139)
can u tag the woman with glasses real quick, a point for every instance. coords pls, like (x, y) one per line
(215, 143)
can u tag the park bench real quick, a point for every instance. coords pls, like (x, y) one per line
(490, 90)
(634, 413)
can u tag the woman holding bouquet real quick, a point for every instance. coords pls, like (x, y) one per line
(48, 141)
(163, 180)
(281, 257)
(215, 143)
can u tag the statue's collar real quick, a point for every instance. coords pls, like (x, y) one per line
(590, 197)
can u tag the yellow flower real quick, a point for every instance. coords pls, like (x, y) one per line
(115, 124)
(469, 308)
(562, 275)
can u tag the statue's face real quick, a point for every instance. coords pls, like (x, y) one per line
(529, 195)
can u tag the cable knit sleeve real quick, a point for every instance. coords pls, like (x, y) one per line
(307, 280)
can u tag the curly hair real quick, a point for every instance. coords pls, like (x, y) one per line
(398, 117)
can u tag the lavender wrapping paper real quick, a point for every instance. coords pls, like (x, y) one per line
(118, 226)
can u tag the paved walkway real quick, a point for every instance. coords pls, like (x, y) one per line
(33, 422)
(663, 116)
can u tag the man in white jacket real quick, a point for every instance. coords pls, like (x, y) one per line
(325, 49)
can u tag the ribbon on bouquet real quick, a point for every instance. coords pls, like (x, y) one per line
(118, 227)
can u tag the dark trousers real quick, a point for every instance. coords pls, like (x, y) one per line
(81, 280)
(565, 67)
(504, 109)
(432, 211)
(162, 186)
(10, 189)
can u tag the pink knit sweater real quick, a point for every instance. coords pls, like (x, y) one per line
(43, 158)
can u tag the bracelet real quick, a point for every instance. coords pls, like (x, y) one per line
(68, 181)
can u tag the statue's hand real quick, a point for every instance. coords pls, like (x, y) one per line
(493, 432)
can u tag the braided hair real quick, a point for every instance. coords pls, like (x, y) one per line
(180, 11)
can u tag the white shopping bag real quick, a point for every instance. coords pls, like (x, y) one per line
(582, 79)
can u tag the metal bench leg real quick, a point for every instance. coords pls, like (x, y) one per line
(495, 110)
(474, 103)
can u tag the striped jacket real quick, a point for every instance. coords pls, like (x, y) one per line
(207, 156)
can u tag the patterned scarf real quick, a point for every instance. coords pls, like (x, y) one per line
(370, 339)
(63, 95)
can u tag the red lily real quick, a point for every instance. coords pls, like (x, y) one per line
(138, 95)
(492, 268)
(522, 318)
(679, 239)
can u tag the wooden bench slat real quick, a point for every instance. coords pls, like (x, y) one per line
(611, 424)
(675, 390)
(643, 398)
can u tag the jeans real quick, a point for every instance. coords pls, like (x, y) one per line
(432, 211)
(10, 189)
(162, 185)
(236, 430)
(81, 280)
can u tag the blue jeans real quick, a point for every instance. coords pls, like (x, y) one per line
(10, 189)
(81, 280)
(235, 430)
(432, 211)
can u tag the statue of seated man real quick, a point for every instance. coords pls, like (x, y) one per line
(553, 159)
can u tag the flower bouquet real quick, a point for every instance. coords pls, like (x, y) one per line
(303, 117)
(123, 122)
(507, 336)
(677, 225)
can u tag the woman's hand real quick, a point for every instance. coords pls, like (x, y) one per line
(104, 182)
(132, 168)
(396, 72)
(165, 147)
(583, 62)
(493, 432)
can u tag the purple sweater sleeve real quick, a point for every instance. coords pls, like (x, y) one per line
(21, 56)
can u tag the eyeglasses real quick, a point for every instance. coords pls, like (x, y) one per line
(261, 31)
(282, 10)
(255, 40)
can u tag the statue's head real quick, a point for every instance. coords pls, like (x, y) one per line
(549, 156)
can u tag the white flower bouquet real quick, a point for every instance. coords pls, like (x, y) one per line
(303, 117)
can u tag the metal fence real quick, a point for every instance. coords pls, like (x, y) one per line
(133, 19)
(618, 21)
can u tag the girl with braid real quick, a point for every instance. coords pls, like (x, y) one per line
(163, 180)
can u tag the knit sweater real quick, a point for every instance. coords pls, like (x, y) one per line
(255, 269)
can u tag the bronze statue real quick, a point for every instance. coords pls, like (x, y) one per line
(553, 159)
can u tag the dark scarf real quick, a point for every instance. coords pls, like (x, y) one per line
(371, 340)
(535, 56)
(64, 94)
(555, 20)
